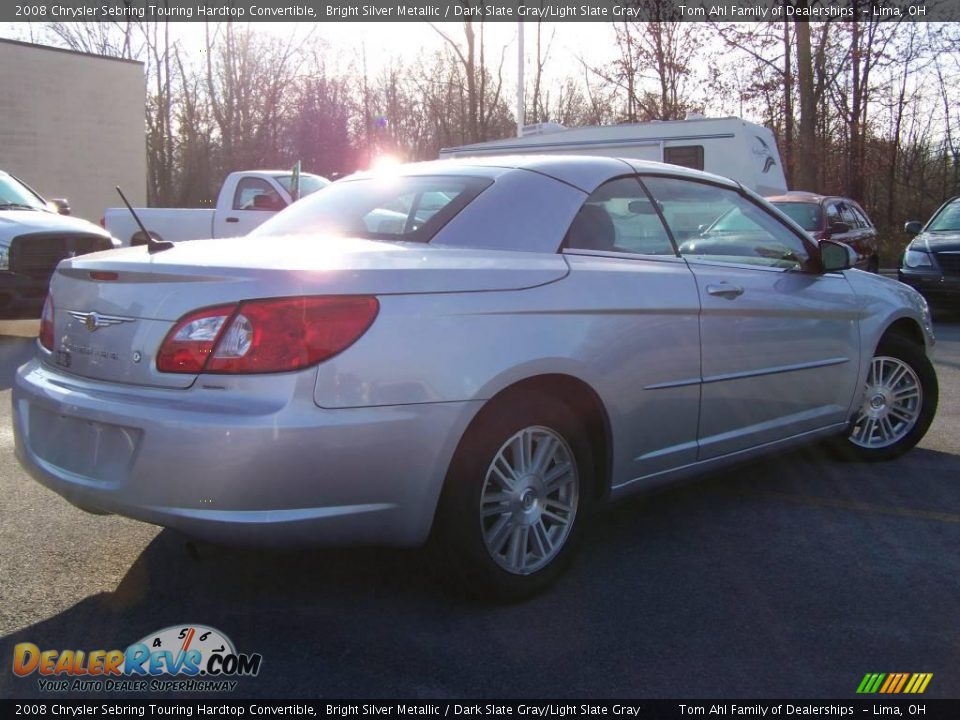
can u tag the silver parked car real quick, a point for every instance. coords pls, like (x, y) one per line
(478, 350)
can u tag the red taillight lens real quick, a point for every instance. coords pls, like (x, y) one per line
(46, 323)
(263, 336)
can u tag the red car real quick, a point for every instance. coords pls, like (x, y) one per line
(833, 218)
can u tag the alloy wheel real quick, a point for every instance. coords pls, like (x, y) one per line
(529, 500)
(892, 400)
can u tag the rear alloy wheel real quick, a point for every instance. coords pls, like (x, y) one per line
(529, 500)
(516, 498)
(899, 402)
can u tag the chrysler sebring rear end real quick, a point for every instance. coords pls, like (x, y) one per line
(478, 350)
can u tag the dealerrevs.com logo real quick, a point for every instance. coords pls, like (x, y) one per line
(180, 658)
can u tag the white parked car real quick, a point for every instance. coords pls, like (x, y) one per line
(246, 200)
(478, 350)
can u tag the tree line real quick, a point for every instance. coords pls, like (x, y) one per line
(859, 108)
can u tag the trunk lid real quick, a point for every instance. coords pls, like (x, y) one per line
(111, 329)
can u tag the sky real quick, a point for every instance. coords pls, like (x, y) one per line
(383, 40)
(377, 43)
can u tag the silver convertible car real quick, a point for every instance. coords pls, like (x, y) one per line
(475, 352)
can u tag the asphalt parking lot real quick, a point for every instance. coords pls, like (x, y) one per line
(788, 578)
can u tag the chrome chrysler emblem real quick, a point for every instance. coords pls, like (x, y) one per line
(94, 321)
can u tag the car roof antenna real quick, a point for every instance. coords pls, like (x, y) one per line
(153, 245)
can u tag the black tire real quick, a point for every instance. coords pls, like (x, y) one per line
(873, 264)
(853, 445)
(460, 529)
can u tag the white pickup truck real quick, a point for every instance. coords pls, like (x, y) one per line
(35, 235)
(247, 199)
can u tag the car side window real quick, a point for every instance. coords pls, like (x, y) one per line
(256, 194)
(833, 213)
(715, 223)
(619, 217)
(847, 216)
(861, 216)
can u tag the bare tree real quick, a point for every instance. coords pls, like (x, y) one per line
(482, 87)
(537, 112)
(111, 39)
(655, 64)
(249, 78)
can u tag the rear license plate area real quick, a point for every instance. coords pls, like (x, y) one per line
(99, 452)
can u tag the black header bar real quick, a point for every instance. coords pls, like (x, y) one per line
(486, 10)
(221, 706)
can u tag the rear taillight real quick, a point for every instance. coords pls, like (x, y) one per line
(190, 342)
(264, 336)
(46, 323)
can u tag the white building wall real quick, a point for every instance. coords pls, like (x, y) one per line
(72, 125)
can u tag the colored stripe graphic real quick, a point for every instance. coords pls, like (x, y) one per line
(922, 681)
(891, 680)
(870, 683)
(894, 683)
(903, 679)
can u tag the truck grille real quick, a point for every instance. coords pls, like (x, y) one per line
(37, 254)
(949, 262)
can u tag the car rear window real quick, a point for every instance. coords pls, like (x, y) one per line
(411, 208)
(809, 216)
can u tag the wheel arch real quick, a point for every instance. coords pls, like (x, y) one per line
(905, 341)
(581, 399)
(906, 328)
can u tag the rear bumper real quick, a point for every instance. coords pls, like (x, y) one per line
(234, 467)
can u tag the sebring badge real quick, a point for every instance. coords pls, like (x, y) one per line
(94, 321)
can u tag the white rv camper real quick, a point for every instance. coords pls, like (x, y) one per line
(731, 147)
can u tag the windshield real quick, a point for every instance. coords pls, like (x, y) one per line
(733, 221)
(947, 220)
(308, 183)
(14, 195)
(380, 208)
(809, 216)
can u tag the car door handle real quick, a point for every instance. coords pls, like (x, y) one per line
(233, 219)
(725, 290)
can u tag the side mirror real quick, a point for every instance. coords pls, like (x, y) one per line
(62, 205)
(914, 227)
(836, 256)
(839, 228)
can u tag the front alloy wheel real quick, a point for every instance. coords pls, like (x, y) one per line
(891, 405)
(898, 405)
